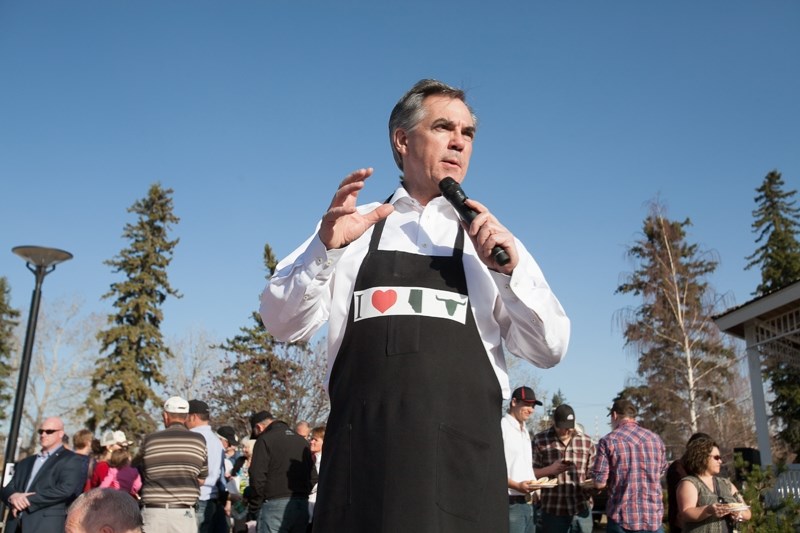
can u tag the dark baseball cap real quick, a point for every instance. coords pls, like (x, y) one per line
(525, 395)
(198, 407)
(229, 434)
(257, 418)
(564, 417)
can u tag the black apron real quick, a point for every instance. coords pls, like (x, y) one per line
(413, 442)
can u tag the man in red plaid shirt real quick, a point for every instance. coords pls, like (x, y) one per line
(564, 453)
(630, 462)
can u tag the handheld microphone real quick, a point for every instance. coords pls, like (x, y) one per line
(454, 194)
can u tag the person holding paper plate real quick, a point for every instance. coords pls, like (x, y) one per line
(708, 503)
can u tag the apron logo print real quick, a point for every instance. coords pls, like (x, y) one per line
(451, 305)
(383, 300)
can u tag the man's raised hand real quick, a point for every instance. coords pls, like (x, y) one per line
(342, 223)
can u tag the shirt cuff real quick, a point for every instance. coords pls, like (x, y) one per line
(321, 262)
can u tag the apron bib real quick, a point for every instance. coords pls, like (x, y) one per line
(413, 442)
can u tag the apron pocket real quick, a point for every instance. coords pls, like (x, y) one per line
(462, 469)
(402, 335)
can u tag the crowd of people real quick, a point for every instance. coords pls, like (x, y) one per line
(554, 475)
(191, 477)
(187, 477)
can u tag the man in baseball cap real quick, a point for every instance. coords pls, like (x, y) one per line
(259, 422)
(517, 448)
(174, 460)
(563, 453)
(176, 405)
(525, 395)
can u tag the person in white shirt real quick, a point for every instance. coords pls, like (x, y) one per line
(418, 311)
(519, 460)
(211, 516)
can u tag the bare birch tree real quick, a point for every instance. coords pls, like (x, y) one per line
(684, 363)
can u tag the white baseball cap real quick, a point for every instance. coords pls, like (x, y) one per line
(176, 404)
(114, 437)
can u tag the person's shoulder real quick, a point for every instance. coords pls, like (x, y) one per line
(542, 436)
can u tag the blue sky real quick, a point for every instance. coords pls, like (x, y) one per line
(252, 111)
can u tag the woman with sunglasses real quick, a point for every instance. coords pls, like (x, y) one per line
(708, 503)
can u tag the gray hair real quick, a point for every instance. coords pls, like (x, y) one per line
(409, 111)
(106, 507)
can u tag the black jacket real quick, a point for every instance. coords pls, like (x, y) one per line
(281, 465)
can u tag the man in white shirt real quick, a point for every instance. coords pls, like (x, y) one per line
(418, 311)
(211, 503)
(519, 460)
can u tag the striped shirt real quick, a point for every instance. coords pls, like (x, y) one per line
(172, 460)
(567, 498)
(630, 461)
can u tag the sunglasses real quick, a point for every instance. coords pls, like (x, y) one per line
(716, 457)
(48, 431)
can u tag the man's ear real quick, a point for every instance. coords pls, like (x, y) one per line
(400, 141)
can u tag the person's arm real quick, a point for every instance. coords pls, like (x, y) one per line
(600, 469)
(740, 515)
(259, 466)
(552, 470)
(99, 473)
(296, 301)
(687, 505)
(69, 476)
(136, 486)
(532, 322)
(520, 486)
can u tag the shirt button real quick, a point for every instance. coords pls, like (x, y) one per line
(328, 263)
(306, 297)
(319, 260)
(424, 244)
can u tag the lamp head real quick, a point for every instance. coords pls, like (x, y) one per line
(41, 256)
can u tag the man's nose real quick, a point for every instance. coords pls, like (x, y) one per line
(457, 141)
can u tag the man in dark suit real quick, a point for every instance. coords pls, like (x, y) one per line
(45, 484)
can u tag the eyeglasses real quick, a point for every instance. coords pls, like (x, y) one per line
(716, 457)
(48, 431)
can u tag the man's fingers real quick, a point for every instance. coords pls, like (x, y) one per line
(356, 176)
(379, 213)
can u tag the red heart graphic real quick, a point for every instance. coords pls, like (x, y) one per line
(383, 300)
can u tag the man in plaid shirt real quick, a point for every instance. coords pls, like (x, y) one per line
(564, 453)
(630, 462)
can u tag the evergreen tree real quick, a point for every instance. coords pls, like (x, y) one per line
(8, 321)
(776, 223)
(122, 383)
(264, 374)
(776, 219)
(683, 362)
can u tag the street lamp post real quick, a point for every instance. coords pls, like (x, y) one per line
(41, 261)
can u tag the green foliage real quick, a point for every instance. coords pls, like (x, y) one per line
(776, 222)
(8, 321)
(783, 518)
(122, 383)
(683, 362)
(264, 374)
